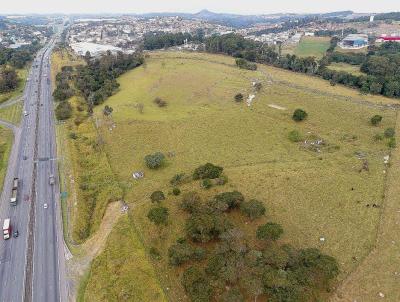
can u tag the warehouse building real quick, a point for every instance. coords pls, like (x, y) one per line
(354, 41)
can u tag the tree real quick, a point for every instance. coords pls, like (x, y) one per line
(196, 284)
(157, 196)
(376, 119)
(8, 79)
(154, 161)
(253, 208)
(160, 102)
(158, 215)
(208, 170)
(239, 97)
(269, 231)
(226, 201)
(299, 115)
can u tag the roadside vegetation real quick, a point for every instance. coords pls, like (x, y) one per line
(6, 139)
(12, 113)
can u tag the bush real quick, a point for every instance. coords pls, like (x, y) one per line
(392, 142)
(154, 161)
(269, 231)
(389, 132)
(206, 183)
(378, 137)
(158, 215)
(294, 136)
(207, 171)
(154, 254)
(160, 102)
(299, 115)
(239, 97)
(176, 191)
(191, 202)
(63, 111)
(178, 179)
(157, 196)
(253, 208)
(376, 119)
(232, 295)
(73, 135)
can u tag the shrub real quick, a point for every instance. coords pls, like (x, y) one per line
(157, 196)
(294, 136)
(73, 135)
(158, 215)
(160, 102)
(206, 183)
(376, 119)
(239, 97)
(253, 208)
(176, 191)
(258, 86)
(178, 179)
(63, 111)
(389, 132)
(299, 115)
(207, 171)
(154, 254)
(154, 161)
(191, 202)
(392, 142)
(269, 231)
(378, 137)
(232, 295)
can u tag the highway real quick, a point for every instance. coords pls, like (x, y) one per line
(32, 266)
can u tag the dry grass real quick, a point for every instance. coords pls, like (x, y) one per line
(353, 69)
(12, 113)
(312, 194)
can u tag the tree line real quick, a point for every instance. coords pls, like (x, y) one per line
(95, 81)
(381, 65)
(160, 40)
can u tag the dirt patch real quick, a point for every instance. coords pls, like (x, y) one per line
(276, 107)
(79, 264)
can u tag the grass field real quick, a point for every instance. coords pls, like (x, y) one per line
(12, 113)
(6, 138)
(312, 47)
(353, 69)
(22, 74)
(312, 194)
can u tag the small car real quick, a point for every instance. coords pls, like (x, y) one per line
(25, 157)
(45, 206)
(51, 179)
(15, 234)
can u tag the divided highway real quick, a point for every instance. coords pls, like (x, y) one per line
(32, 266)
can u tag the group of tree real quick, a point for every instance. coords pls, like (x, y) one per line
(8, 79)
(97, 79)
(233, 267)
(381, 65)
(160, 40)
(18, 57)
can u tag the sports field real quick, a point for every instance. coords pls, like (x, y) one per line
(312, 192)
(312, 47)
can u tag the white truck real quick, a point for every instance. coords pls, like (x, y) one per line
(6, 229)
(14, 192)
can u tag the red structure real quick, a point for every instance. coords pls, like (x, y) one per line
(389, 38)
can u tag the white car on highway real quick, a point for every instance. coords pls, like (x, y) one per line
(45, 206)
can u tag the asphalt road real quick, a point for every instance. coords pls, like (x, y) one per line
(32, 266)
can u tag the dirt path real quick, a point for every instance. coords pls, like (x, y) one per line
(78, 265)
(378, 275)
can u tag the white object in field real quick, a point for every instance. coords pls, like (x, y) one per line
(250, 99)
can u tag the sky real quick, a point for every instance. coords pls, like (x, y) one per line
(191, 6)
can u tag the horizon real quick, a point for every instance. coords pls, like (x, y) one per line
(250, 7)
